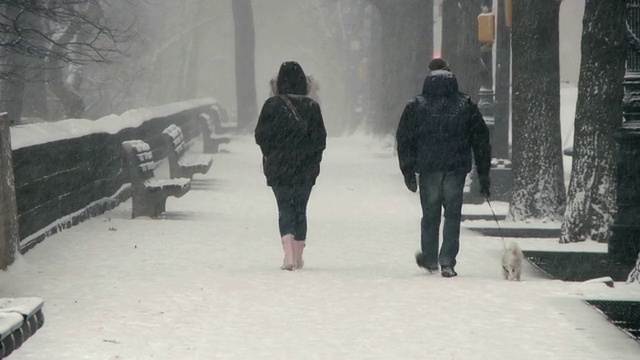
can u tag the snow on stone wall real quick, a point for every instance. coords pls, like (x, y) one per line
(39, 133)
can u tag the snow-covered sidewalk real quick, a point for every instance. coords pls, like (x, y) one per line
(203, 282)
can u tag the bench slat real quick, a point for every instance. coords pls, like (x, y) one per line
(181, 163)
(9, 322)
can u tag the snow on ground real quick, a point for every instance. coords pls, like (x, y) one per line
(203, 282)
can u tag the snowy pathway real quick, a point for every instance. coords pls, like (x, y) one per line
(204, 283)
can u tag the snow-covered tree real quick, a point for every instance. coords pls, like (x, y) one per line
(591, 200)
(538, 184)
(9, 235)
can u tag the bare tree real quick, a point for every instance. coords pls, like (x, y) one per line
(191, 78)
(592, 192)
(538, 184)
(60, 32)
(35, 89)
(245, 64)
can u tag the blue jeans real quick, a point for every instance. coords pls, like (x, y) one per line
(437, 190)
(292, 209)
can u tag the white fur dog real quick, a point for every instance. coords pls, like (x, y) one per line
(512, 262)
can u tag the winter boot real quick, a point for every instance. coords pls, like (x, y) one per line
(447, 271)
(422, 262)
(287, 246)
(298, 249)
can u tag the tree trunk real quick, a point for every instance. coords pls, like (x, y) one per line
(12, 85)
(407, 47)
(35, 91)
(12, 73)
(244, 33)
(538, 184)
(374, 72)
(591, 201)
(72, 103)
(192, 73)
(9, 234)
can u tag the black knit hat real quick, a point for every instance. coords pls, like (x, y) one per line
(438, 64)
(291, 79)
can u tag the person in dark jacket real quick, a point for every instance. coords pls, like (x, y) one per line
(438, 133)
(292, 137)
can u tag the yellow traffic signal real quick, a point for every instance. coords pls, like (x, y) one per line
(486, 25)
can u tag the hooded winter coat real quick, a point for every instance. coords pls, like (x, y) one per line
(290, 131)
(440, 130)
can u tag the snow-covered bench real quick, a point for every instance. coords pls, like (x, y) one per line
(20, 318)
(211, 138)
(181, 163)
(149, 193)
(220, 118)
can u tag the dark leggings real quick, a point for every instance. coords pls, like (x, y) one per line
(292, 209)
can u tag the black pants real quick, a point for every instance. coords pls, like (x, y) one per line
(292, 209)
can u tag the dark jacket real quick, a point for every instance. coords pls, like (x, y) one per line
(440, 130)
(292, 148)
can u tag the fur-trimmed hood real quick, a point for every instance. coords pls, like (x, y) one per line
(313, 87)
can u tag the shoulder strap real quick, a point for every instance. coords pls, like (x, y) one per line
(292, 108)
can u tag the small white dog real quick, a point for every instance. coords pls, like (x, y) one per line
(512, 262)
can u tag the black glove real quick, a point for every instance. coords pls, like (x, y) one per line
(411, 182)
(485, 184)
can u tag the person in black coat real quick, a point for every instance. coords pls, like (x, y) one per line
(438, 133)
(292, 137)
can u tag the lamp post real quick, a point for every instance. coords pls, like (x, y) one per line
(495, 111)
(486, 37)
(624, 244)
(500, 140)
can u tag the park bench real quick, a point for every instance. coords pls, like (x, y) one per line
(149, 194)
(211, 139)
(220, 117)
(20, 318)
(181, 163)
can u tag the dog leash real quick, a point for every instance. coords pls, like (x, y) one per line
(504, 243)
